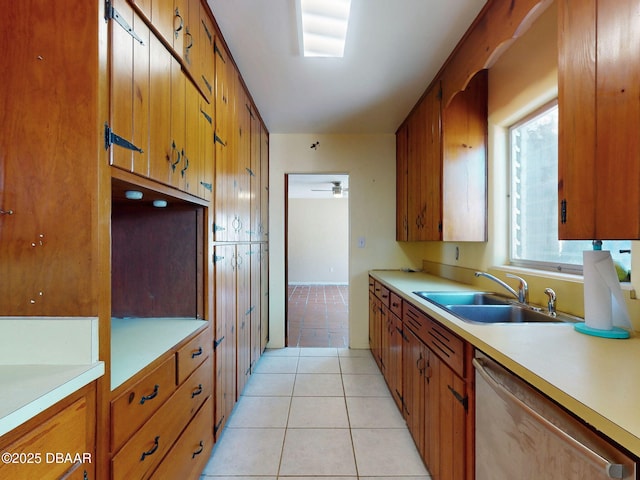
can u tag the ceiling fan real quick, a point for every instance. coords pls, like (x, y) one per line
(336, 190)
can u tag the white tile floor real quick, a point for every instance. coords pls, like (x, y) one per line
(315, 412)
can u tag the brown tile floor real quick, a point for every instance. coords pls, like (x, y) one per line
(318, 316)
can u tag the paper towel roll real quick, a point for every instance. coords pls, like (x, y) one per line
(604, 304)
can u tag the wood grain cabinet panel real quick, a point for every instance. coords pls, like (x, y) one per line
(50, 173)
(599, 116)
(138, 403)
(191, 452)
(146, 448)
(190, 356)
(71, 430)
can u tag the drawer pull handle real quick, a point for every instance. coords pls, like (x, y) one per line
(197, 353)
(199, 451)
(197, 391)
(151, 396)
(153, 449)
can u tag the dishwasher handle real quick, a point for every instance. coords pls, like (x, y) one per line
(613, 470)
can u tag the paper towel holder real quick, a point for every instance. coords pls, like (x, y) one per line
(615, 332)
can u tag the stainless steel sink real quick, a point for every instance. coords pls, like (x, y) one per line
(501, 314)
(463, 298)
(485, 307)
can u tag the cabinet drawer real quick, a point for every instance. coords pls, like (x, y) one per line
(192, 354)
(447, 345)
(382, 293)
(133, 407)
(395, 304)
(189, 455)
(416, 321)
(146, 448)
(65, 432)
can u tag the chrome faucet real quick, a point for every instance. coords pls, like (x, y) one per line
(523, 289)
(551, 304)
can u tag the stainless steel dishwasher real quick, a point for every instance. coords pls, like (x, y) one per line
(523, 435)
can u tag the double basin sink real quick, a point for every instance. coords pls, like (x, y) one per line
(485, 307)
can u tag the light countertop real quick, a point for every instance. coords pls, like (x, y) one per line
(136, 342)
(27, 390)
(597, 379)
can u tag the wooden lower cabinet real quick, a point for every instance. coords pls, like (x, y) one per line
(428, 371)
(190, 454)
(58, 443)
(157, 443)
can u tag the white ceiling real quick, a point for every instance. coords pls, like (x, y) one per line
(394, 49)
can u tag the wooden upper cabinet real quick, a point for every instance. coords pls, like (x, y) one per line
(49, 168)
(402, 174)
(599, 117)
(464, 163)
(424, 212)
(446, 133)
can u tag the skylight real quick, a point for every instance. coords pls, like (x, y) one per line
(324, 27)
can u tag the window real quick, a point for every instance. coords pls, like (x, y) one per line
(534, 200)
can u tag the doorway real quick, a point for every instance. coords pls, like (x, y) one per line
(317, 260)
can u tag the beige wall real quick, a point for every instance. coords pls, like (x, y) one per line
(318, 240)
(369, 160)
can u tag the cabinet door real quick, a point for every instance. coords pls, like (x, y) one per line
(205, 76)
(425, 170)
(49, 216)
(243, 316)
(464, 163)
(618, 120)
(129, 103)
(205, 183)
(394, 367)
(162, 151)
(264, 184)
(191, 168)
(180, 161)
(401, 184)
(256, 304)
(264, 296)
(599, 115)
(242, 171)
(414, 363)
(255, 177)
(225, 333)
(445, 421)
(375, 328)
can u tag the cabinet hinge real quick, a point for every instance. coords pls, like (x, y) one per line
(111, 138)
(250, 111)
(206, 30)
(217, 258)
(439, 95)
(248, 312)
(216, 343)
(563, 211)
(217, 139)
(218, 228)
(217, 427)
(206, 116)
(219, 52)
(110, 12)
(250, 172)
(207, 84)
(207, 186)
(463, 400)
